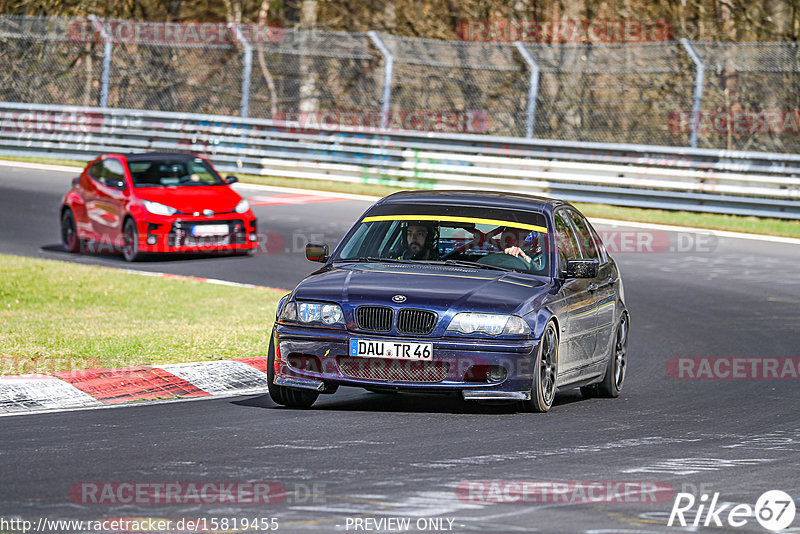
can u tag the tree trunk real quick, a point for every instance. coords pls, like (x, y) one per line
(308, 75)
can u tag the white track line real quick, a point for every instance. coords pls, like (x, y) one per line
(39, 166)
(718, 233)
(134, 404)
(367, 198)
(311, 192)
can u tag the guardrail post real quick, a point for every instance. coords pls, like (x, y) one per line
(533, 88)
(388, 60)
(697, 100)
(107, 49)
(247, 69)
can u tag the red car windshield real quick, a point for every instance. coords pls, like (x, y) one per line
(172, 173)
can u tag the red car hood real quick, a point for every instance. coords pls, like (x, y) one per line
(189, 199)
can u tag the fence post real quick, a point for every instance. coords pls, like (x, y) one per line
(387, 77)
(107, 49)
(697, 100)
(533, 88)
(247, 69)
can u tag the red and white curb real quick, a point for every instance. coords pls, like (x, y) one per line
(101, 387)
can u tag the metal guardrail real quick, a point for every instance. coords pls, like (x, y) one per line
(706, 180)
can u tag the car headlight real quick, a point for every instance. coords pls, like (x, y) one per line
(242, 206)
(488, 323)
(158, 209)
(312, 312)
(288, 312)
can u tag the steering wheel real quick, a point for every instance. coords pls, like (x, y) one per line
(480, 237)
(504, 260)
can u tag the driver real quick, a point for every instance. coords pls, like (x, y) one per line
(420, 237)
(173, 172)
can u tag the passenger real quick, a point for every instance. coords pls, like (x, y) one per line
(510, 244)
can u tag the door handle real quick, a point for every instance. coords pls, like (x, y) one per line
(593, 287)
(610, 281)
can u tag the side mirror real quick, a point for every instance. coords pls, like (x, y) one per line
(231, 179)
(75, 181)
(582, 268)
(317, 252)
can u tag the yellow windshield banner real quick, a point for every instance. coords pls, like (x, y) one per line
(452, 218)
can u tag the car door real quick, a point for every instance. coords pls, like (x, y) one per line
(603, 284)
(106, 205)
(578, 326)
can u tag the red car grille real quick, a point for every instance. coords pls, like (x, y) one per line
(180, 234)
(393, 370)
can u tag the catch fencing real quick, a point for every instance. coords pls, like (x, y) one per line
(733, 96)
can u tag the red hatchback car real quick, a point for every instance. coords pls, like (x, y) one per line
(154, 203)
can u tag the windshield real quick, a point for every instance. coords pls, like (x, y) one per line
(508, 244)
(178, 172)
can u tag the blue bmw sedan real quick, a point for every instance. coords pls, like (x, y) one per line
(492, 296)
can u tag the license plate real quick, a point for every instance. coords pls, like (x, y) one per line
(391, 349)
(208, 230)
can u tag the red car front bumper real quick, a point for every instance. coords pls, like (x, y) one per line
(218, 233)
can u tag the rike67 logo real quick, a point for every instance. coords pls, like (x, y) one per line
(774, 510)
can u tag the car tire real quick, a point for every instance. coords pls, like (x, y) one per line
(617, 363)
(130, 241)
(284, 396)
(543, 390)
(69, 232)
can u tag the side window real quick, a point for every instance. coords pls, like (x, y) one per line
(113, 173)
(585, 237)
(96, 171)
(600, 246)
(201, 173)
(391, 242)
(566, 242)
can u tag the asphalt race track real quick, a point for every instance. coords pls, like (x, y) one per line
(366, 456)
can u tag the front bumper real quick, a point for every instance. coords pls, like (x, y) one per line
(318, 359)
(174, 234)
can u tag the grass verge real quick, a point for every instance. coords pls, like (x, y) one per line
(46, 161)
(712, 221)
(733, 223)
(58, 316)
